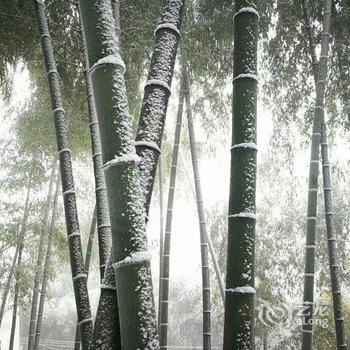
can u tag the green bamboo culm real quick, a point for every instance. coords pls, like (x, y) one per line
(39, 262)
(206, 304)
(87, 263)
(129, 245)
(332, 246)
(239, 298)
(47, 265)
(23, 227)
(331, 239)
(68, 189)
(165, 269)
(16, 296)
(157, 93)
(318, 119)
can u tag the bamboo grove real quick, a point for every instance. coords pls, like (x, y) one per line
(127, 83)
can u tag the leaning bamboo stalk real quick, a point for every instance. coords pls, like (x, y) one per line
(87, 263)
(157, 93)
(103, 223)
(14, 261)
(47, 264)
(210, 243)
(318, 119)
(164, 278)
(106, 327)
(39, 263)
(202, 220)
(161, 235)
(332, 249)
(130, 251)
(16, 294)
(68, 188)
(239, 298)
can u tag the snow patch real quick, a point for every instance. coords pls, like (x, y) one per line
(125, 158)
(243, 215)
(242, 290)
(247, 76)
(167, 26)
(158, 82)
(248, 145)
(247, 10)
(149, 144)
(134, 258)
(110, 59)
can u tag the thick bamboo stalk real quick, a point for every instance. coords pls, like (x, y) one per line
(68, 188)
(202, 221)
(47, 264)
(15, 258)
(157, 93)
(39, 263)
(164, 279)
(130, 252)
(239, 299)
(308, 299)
(106, 328)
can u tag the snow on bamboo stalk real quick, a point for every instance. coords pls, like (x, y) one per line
(16, 294)
(68, 190)
(39, 262)
(106, 327)
(103, 223)
(157, 92)
(87, 263)
(129, 244)
(239, 299)
(164, 279)
(308, 299)
(47, 264)
(14, 261)
(202, 222)
(332, 250)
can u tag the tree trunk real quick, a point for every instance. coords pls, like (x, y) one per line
(39, 263)
(318, 120)
(161, 236)
(68, 190)
(164, 279)
(14, 261)
(47, 264)
(332, 249)
(239, 299)
(157, 92)
(202, 222)
(87, 264)
(130, 252)
(15, 298)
